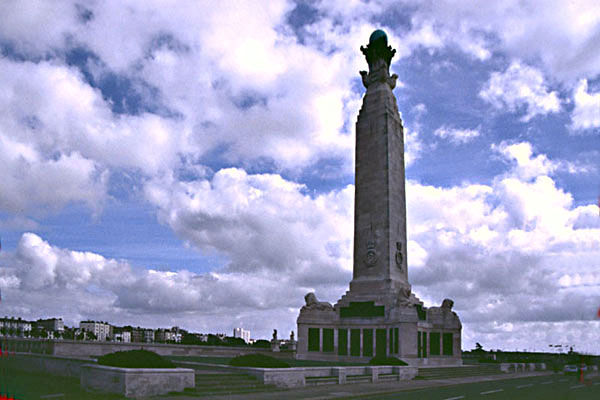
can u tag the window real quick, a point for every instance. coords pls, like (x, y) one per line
(343, 342)
(447, 344)
(327, 340)
(434, 343)
(355, 342)
(313, 339)
(368, 342)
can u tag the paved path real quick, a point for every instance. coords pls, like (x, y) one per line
(369, 390)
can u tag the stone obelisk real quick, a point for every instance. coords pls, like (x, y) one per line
(380, 201)
(379, 315)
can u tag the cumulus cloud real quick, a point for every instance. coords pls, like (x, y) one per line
(455, 135)
(500, 250)
(261, 222)
(535, 33)
(586, 114)
(520, 87)
(42, 279)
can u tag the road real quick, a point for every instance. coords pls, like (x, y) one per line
(549, 387)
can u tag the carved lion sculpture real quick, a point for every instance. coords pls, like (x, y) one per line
(447, 304)
(313, 304)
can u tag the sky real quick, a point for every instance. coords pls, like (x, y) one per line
(185, 163)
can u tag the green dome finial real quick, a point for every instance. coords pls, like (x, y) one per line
(378, 35)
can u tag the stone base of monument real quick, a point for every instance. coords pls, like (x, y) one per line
(136, 382)
(308, 376)
(357, 329)
(275, 346)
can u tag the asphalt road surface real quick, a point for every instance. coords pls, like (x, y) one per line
(549, 387)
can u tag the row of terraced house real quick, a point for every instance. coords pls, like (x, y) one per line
(54, 328)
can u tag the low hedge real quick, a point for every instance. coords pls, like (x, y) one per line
(135, 359)
(386, 361)
(258, 361)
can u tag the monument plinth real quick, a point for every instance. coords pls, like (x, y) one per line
(379, 315)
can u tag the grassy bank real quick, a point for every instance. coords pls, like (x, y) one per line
(292, 362)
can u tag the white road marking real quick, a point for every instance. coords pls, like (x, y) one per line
(577, 386)
(546, 383)
(492, 391)
(455, 398)
(524, 386)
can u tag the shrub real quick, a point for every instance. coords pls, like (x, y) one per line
(386, 361)
(258, 361)
(261, 343)
(488, 361)
(135, 359)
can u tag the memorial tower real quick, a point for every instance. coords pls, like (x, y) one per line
(379, 315)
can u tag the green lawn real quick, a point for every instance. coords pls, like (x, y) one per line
(292, 362)
(28, 385)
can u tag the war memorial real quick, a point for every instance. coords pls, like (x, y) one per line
(379, 315)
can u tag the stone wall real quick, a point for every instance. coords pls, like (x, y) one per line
(87, 348)
(297, 377)
(47, 364)
(136, 382)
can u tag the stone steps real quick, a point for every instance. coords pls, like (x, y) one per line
(214, 383)
(321, 380)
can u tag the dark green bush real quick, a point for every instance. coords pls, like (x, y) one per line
(135, 359)
(488, 361)
(261, 343)
(386, 361)
(258, 361)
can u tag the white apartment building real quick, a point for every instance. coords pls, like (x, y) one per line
(51, 324)
(102, 330)
(241, 333)
(14, 327)
(124, 337)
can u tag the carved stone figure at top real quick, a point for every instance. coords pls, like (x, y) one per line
(313, 304)
(379, 57)
(447, 304)
(445, 308)
(407, 298)
(274, 334)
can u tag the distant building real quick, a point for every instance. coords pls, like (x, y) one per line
(148, 335)
(51, 324)
(177, 334)
(137, 335)
(241, 333)
(203, 337)
(14, 327)
(121, 335)
(163, 335)
(101, 330)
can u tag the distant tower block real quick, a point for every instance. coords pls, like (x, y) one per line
(379, 315)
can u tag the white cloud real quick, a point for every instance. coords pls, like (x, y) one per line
(500, 250)
(521, 86)
(524, 164)
(261, 222)
(532, 32)
(527, 166)
(40, 279)
(457, 136)
(586, 114)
